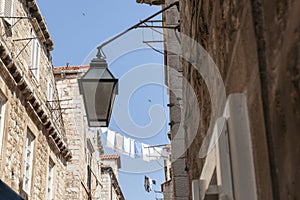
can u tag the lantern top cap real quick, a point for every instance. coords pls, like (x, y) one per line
(99, 60)
(98, 69)
(100, 53)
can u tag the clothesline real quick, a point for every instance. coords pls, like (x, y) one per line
(160, 145)
(132, 147)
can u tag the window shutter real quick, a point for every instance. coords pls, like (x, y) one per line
(35, 56)
(28, 162)
(50, 93)
(8, 10)
(32, 50)
(1, 122)
(38, 57)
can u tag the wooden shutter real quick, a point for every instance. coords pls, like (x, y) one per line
(35, 56)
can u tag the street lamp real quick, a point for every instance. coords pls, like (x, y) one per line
(99, 87)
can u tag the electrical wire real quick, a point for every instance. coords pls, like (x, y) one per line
(154, 48)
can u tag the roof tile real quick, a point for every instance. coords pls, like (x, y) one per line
(70, 68)
(110, 156)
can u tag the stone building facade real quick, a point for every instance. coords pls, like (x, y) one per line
(167, 186)
(255, 46)
(82, 177)
(110, 165)
(178, 182)
(47, 150)
(90, 174)
(33, 148)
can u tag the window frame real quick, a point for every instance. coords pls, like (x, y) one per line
(28, 161)
(50, 180)
(50, 90)
(35, 56)
(2, 118)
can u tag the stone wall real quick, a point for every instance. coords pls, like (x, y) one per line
(83, 142)
(111, 189)
(255, 45)
(167, 190)
(19, 114)
(174, 79)
(73, 115)
(16, 123)
(110, 165)
(16, 39)
(107, 186)
(113, 163)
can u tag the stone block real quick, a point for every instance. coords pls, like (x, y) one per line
(178, 167)
(181, 186)
(179, 149)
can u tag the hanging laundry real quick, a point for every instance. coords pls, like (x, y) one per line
(155, 153)
(103, 137)
(152, 182)
(145, 151)
(148, 183)
(126, 145)
(165, 153)
(138, 149)
(151, 154)
(119, 143)
(110, 139)
(103, 129)
(132, 148)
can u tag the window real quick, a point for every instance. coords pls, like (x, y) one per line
(2, 108)
(88, 178)
(35, 55)
(28, 158)
(89, 164)
(7, 8)
(50, 180)
(49, 92)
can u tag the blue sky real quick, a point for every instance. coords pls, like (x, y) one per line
(77, 27)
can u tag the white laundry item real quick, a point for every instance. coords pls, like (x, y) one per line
(127, 144)
(103, 129)
(151, 154)
(119, 143)
(145, 151)
(132, 148)
(156, 153)
(110, 139)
